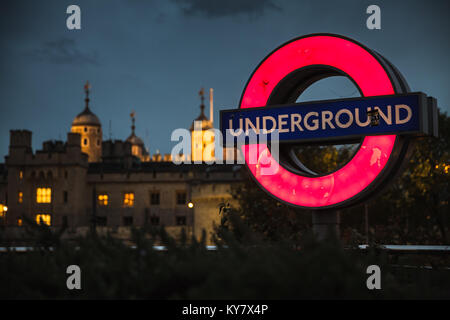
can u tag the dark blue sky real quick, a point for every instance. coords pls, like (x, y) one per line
(154, 56)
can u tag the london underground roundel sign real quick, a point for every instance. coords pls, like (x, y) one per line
(383, 120)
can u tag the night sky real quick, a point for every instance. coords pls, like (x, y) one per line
(154, 56)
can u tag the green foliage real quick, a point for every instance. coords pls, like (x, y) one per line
(276, 220)
(267, 216)
(264, 251)
(412, 210)
(244, 267)
(415, 208)
(327, 158)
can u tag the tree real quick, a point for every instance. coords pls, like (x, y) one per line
(412, 210)
(418, 200)
(274, 219)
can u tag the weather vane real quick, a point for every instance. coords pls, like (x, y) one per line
(202, 94)
(87, 86)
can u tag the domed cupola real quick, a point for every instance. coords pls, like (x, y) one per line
(86, 118)
(89, 127)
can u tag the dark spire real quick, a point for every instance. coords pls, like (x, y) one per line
(202, 105)
(87, 87)
(202, 116)
(132, 115)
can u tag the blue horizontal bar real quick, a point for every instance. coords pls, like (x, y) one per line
(330, 119)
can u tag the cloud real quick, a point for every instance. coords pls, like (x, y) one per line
(216, 9)
(63, 51)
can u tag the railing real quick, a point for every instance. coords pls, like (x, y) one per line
(425, 249)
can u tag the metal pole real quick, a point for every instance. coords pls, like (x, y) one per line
(94, 211)
(326, 224)
(366, 221)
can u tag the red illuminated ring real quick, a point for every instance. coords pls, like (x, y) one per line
(373, 155)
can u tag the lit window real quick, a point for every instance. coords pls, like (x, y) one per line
(20, 197)
(128, 199)
(135, 150)
(21, 174)
(44, 195)
(44, 218)
(19, 222)
(102, 199)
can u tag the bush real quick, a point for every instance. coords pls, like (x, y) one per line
(243, 267)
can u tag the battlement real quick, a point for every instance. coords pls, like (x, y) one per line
(52, 152)
(20, 138)
(53, 146)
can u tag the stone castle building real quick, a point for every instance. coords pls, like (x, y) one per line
(111, 185)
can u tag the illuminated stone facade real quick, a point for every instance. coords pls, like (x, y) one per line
(113, 191)
(89, 127)
(202, 138)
